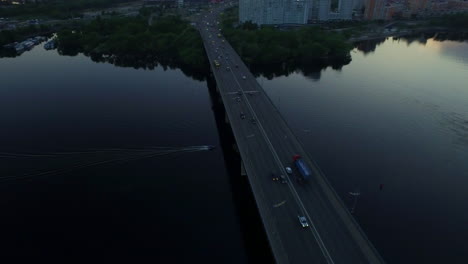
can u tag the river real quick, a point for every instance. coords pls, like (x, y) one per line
(175, 207)
(101, 162)
(393, 126)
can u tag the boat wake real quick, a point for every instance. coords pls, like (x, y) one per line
(105, 156)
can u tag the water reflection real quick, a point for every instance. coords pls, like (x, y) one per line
(398, 116)
(149, 62)
(313, 70)
(369, 46)
(123, 210)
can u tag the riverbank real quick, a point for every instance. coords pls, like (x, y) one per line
(268, 45)
(122, 40)
(457, 23)
(445, 30)
(17, 35)
(60, 9)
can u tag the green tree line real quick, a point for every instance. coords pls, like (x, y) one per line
(11, 36)
(60, 9)
(456, 21)
(169, 39)
(267, 45)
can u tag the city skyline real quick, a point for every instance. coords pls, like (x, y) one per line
(293, 11)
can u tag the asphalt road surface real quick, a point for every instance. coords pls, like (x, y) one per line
(267, 145)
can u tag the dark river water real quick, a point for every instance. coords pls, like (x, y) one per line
(102, 163)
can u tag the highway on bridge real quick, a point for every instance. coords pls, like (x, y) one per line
(267, 145)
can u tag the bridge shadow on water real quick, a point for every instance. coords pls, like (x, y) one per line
(253, 234)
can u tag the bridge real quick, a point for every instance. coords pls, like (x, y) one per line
(266, 145)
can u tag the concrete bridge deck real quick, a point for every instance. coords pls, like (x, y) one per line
(267, 146)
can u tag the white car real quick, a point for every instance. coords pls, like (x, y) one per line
(288, 170)
(243, 77)
(283, 179)
(303, 221)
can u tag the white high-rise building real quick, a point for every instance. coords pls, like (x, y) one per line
(263, 12)
(271, 12)
(346, 9)
(358, 4)
(321, 10)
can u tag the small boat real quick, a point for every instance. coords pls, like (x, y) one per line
(27, 44)
(50, 45)
(19, 48)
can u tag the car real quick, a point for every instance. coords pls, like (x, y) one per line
(243, 77)
(237, 66)
(227, 68)
(253, 121)
(288, 170)
(238, 99)
(242, 115)
(283, 179)
(274, 177)
(303, 221)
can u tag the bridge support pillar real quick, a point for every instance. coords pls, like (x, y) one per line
(243, 172)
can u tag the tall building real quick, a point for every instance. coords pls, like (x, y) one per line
(358, 4)
(417, 5)
(273, 12)
(293, 11)
(321, 10)
(375, 9)
(346, 9)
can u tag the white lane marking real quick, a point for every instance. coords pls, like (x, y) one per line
(314, 230)
(279, 204)
(293, 190)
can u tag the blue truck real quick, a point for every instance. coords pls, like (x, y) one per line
(302, 167)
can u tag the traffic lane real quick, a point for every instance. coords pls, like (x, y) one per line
(256, 165)
(296, 242)
(302, 241)
(291, 151)
(330, 216)
(291, 218)
(326, 213)
(306, 238)
(327, 220)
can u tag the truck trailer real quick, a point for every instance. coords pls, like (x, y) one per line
(302, 167)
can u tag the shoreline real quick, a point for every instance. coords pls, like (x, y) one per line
(407, 33)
